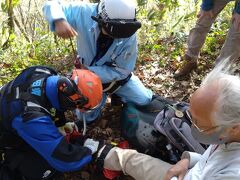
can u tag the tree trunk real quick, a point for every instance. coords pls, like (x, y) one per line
(10, 17)
(10, 23)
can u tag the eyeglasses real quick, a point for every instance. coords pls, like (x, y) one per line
(189, 116)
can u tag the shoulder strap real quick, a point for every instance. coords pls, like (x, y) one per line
(32, 104)
(37, 110)
(100, 159)
(22, 82)
(29, 72)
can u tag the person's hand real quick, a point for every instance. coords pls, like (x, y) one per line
(203, 14)
(82, 66)
(78, 63)
(179, 170)
(236, 21)
(67, 128)
(64, 30)
(91, 144)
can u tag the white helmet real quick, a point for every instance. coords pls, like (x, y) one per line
(117, 17)
(117, 9)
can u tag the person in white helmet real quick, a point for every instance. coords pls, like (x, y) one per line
(106, 44)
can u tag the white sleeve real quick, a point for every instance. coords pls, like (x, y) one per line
(192, 156)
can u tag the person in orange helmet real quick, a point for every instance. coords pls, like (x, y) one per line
(31, 133)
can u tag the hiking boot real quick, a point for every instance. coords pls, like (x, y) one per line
(188, 65)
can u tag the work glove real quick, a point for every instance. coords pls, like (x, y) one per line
(91, 144)
(68, 128)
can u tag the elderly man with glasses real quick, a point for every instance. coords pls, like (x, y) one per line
(215, 115)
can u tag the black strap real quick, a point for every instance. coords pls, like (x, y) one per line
(100, 159)
(2, 92)
(114, 86)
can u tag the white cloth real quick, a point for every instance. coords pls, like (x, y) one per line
(223, 163)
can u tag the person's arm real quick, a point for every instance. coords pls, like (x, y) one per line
(179, 170)
(53, 11)
(193, 158)
(230, 175)
(42, 135)
(207, 5)
(122, 65)
(226, 170)
(65, 19)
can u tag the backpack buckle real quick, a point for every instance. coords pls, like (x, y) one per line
(2, 157)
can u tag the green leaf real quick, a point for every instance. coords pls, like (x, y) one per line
(151, 14)
(4, 7)
(179, 20)
(141, 2)
(15, 2)
(189, 16)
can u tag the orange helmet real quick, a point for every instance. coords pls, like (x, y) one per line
(90, 87)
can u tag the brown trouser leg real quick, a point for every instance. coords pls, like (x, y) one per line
(139, 166)
(231, 47)
(198, 34)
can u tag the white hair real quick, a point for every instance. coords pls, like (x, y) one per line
(228, 99)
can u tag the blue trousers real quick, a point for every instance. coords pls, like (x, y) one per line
(133, 91)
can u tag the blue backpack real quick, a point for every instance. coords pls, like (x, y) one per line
(27, 86)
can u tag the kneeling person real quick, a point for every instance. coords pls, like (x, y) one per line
(32, 139)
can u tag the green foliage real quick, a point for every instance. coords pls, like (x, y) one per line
(165, 28)
(22, 54)
(162, 38)
(165, 25)
(31, 45)
(217, 35)
(5, 5)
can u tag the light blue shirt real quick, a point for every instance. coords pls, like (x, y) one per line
(122, 53)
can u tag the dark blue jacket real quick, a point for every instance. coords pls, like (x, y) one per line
(208, 5)
(39, 131)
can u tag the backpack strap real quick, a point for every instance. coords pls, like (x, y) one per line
(32, 104)
(28, 86)
(102, 156)
(183, 131)
(174, 124)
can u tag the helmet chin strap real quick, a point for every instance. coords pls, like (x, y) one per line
(84, 124)
(82, 117)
